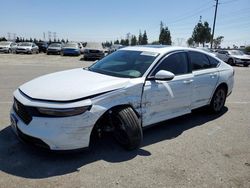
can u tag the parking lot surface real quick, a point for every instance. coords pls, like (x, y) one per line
(195, 150)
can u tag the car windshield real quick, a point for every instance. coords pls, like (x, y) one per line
(55, 45)
(236, 52)
(5, 43)
(71, 45)
(25, 44)
(125, 63)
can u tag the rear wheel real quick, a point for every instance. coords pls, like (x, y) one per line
(218, 101)
(127, 129)
(246, 65)
(231, 61)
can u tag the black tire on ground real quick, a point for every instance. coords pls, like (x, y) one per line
(246, 65)
(218, 100)
(127, 129)
(231, 62)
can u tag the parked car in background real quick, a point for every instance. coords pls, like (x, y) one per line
(27, 47)
(115, 47)
(8, 47)
(71, 48)
(81, 47)
(128, 90)
(42, 46)
(54, 48)
(233, 57)
(93, 54)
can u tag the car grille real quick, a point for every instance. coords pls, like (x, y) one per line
(94, 51)
(245, 60)
(22, 111)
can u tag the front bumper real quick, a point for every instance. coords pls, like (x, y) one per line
(71, 52)
(5, 50)
(93, 56)
(242, 62)
(23, 51)
(54, 133)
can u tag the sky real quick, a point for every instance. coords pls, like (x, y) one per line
(109, 20)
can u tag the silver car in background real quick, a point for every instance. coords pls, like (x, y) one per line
(27, 47)
(54, 48)
(234, 57)
(8, 46)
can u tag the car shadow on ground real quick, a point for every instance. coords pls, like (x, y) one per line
(21, 160)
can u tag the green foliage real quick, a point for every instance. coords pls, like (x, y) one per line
(247, 49)
(165, 36)
(190, 42)
(217, 41)
(133, 40)
(140, 38)
(3, 39)
(144, 38)
(117, 42)
(202, 33)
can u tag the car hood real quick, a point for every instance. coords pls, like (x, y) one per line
(55, 48)
(71, 85)
(241, 56)
(70, 48)
(24, 47)
(4, 46)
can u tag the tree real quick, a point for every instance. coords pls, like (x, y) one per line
(133, 40)
(144, 40)
(202, 33)
(140, 38)
(17, 39)
(63, 41)
(3, 39)
(165, 36)
(122, 42)
(190, 42)
(126, 42)
(218, 41)
(116, 42)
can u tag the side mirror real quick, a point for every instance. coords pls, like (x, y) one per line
(164, 75)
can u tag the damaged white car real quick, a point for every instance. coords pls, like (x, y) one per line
(124, 92)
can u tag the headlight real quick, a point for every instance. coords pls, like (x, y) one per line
(56, 112)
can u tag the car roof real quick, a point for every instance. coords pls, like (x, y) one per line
(162, 49)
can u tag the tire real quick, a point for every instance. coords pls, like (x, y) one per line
(246, 65)
(231, 61)
(127, 129)
(218, 100)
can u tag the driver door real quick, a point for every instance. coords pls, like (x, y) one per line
(163, 100)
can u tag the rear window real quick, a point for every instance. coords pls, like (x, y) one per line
(199, 61)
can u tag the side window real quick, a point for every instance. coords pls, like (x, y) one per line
(199, 61)
(214, 62)
(176, 63)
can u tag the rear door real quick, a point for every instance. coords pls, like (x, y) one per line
(206, 76)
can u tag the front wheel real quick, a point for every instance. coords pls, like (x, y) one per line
(218, 101)
(127, 129)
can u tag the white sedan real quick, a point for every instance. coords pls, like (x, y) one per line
(124, 92)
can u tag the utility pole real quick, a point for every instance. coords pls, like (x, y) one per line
(215, 13)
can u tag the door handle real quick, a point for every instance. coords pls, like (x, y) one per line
(188, 81)
(212, 75)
